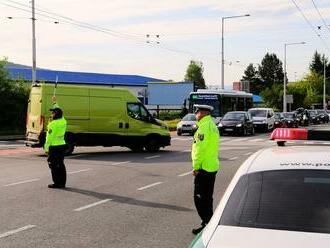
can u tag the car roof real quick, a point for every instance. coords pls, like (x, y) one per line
(260, 109)
(239, 112)
(299, 157)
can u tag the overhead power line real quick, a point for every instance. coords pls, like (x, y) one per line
(319, 13)
(311, 25)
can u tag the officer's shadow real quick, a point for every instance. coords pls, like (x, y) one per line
(127, 200)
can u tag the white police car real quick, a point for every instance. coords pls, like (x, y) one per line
(280, 197)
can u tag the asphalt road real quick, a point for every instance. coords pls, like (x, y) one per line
(114, 197)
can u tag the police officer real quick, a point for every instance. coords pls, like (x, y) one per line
(55, 146)
(205, 163)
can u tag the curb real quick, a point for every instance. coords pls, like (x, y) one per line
(12, 137)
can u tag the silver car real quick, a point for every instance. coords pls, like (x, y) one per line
(187, 125)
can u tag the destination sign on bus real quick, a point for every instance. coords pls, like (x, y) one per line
(204, 97)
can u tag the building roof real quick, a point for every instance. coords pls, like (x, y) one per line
(81, 77)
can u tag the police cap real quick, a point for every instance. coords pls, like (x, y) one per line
(199, 107)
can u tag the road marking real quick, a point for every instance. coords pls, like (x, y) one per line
(234, 158)
(224, 139)
(151, 157)
(238, 140)
(185, 174)
(255, 140)
(26, 181)
(74, 172)
(118, 163)
(91, 205)
(24, 228)
(248, 153)
(182, 139)
(149, 186)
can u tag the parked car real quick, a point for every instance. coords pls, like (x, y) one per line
(187, 125)
(263, 118)
(313, 116)
(278, 120)
(236, 122)
(323, 115)
(290, 119)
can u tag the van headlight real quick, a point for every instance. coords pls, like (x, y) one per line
(264, 122)
(220, 125)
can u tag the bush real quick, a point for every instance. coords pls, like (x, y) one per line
(169, 115)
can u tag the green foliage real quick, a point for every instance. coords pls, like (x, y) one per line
(317, 64)
(14, 96)
(172, 124)
(169, 115)
(194, 74)
(273, 96)
(271, 70)
(251, 75)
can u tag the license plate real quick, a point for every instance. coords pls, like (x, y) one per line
(229, 129)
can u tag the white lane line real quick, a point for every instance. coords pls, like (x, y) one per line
(21, 182)
(151, 157)
(234, 158)
(149, 186)
(92, 205)
(238, 140)
(248, 153)
(224, 139)
(185, 174)
(24, 228)
(255, 140)
(118, 163)
(182, 139)
(12, 145)
(74, 172)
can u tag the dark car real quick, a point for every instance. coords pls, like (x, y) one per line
(323, 115)
(290, 119)
(236, 122)
(313, 117)
(278, 120)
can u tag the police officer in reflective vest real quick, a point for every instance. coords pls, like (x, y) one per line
(55, 146)
(205, 163)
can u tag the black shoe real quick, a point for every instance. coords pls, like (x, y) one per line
(197, 230)
(55, 186)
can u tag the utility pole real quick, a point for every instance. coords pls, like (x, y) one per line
(34, 63)
(324, 70)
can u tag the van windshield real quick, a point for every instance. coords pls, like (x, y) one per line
(258, 113)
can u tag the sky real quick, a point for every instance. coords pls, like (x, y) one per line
(159, 38)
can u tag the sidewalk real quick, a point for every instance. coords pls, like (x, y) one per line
(12, 137)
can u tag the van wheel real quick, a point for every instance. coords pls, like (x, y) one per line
(152, 145)
(136, 148)
(69, 148)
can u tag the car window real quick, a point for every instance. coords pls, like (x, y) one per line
(189, 117)
(295, 200)
(234, 116)
(137, 111)
(258, 113)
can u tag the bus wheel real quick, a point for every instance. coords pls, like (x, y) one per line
(152, 145)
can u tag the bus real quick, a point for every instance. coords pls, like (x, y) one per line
(222, 101)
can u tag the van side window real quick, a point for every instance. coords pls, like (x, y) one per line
(137, 111)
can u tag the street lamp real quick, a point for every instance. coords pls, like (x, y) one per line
(284, 81)
(222, 48)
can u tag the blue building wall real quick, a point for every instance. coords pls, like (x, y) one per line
(168, 93)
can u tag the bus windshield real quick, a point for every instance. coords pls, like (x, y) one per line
(211, 100)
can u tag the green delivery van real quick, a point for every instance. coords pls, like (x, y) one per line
(96, 116)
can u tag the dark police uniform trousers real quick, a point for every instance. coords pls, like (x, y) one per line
(56, 164)
(203, 194)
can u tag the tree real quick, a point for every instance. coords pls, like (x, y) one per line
(251, 75)
(271, 71)
(273, 96)
(195, 74)
(317, 64)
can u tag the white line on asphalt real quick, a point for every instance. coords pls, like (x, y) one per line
(224, 139)
(182, 139)
(248, 153)
(238, 140)
(12, 145)
(151, 157)
(149, 186)
(6, 234)
(188, 150)
(92, 205)
(255, 140)
(234, 158)
(185, 174)
(118, 163)
(74, 172)
(26, 181)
